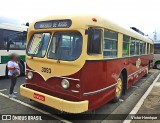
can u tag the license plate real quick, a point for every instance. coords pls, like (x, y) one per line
(39, 97)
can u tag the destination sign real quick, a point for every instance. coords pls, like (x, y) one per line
(53, 24)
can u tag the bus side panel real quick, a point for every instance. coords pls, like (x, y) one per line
(97, 75)
(94, 76)
(135, 71)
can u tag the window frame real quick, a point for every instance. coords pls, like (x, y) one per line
(65, 32)
(137, 42)
(123, 41)
(134, 46)
(144, 44)
(28, 44)
(151, 48)
(101, 43)
(110, 39)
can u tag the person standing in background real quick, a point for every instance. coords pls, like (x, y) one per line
(13, 73)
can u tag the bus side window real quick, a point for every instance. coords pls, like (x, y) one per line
(132, 47)
(94, 41)
(110, 44)
(144, 48)
(151, 49)
(137, 47)
(126, 42)
(141, 47)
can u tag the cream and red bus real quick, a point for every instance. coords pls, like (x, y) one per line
(78, 63)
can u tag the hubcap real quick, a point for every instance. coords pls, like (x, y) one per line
(119, 87)
(158, 66)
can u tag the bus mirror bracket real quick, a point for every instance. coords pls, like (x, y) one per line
(89, 31)
(27, 24)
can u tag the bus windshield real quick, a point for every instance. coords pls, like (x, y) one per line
(157, 48)
(16, 39)
(65, 46)
(38, 44)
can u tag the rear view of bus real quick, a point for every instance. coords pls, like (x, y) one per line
(78, 63)
(157, 55)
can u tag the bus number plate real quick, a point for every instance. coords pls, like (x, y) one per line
(39, 97)
(46, 70)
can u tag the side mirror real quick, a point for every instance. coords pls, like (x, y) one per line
(27, 24)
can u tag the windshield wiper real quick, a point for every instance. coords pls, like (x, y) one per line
(38, 47)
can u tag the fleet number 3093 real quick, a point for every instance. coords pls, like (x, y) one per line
(46, 70)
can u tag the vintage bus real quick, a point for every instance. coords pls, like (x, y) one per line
(78, 63)
(13, 36)
(157, 55)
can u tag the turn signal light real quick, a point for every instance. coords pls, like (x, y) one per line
(94, 19)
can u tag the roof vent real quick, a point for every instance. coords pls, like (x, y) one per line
(137, 30)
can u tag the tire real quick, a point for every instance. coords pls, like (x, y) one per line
(119, 89)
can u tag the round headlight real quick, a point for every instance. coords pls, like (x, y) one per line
(30, 75)
(65, 83)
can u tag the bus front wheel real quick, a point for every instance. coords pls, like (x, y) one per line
(119, 89)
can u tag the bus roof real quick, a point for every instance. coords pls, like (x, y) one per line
(85, 21)
(13, 27)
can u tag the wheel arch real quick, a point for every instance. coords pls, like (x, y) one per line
(125, 80)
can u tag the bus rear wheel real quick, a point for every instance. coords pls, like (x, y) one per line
(119, 89)
(158, 65)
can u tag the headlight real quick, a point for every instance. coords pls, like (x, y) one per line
(65, 83)
(30, 75)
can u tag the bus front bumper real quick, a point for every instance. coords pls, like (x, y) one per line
(57, 103)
